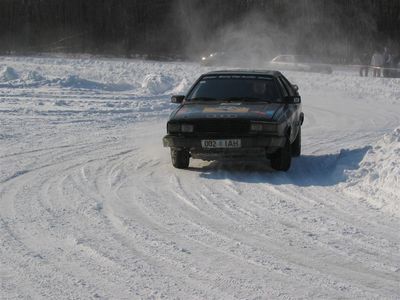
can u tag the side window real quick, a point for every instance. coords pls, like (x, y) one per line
(291, 59)
(284, 90)
(288, 86)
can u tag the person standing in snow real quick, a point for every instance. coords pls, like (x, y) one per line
(387, 62)
(396, 66)
(377, 63)
(364, 60)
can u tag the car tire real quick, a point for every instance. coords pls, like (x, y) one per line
(180, 158)
(282, 159)
(296, 145)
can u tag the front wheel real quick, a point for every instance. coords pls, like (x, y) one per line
(282, 159)
(180, 158)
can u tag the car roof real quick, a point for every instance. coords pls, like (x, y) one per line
(295, 55)
(245, 72)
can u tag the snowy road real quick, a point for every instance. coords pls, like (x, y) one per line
(90, 206)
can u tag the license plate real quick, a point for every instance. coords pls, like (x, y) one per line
(235, 143)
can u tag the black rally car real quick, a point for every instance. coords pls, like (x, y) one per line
(237, 114)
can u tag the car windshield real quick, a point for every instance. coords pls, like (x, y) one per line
(235, 88)
(303, 59)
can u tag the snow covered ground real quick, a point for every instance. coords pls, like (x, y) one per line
(90, 206)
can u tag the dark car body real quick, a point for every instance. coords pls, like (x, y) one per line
(236, 127)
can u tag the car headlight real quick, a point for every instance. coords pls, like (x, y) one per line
(260, 127)
(187, 128)
(173, 127)
(176, 127)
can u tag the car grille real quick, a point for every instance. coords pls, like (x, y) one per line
(222, 126)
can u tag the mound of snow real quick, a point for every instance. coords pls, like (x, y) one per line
(182, 87)
(8, 74)
(378, 178)
(74, 81)
(32, 76)
(157, 83)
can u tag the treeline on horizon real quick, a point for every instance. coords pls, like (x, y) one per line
(188, 28)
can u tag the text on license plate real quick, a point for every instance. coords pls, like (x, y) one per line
(235, 143)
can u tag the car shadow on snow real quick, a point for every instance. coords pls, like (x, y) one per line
(306, 170)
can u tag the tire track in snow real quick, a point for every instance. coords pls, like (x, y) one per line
(191, 217)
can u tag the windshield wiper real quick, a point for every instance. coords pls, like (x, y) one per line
(202, 99)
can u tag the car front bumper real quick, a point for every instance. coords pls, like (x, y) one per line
(190, 143)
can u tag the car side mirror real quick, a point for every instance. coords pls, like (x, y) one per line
(295, 87)
(292, 99)
(177, 98)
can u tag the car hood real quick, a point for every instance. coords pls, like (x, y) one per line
(223, 110)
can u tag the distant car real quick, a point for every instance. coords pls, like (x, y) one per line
(225, 58)
(215, 58)
(237, 115)
(298, 63)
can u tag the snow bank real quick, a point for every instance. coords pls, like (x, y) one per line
(74, 81)
(157, 84)
(33, 79)
(8, 74)
(26, 78)
(32, 76)
(182, 87)
(378, 178)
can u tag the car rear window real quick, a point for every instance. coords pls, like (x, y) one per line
(222, 87)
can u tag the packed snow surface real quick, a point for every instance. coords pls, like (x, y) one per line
(91, 207)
